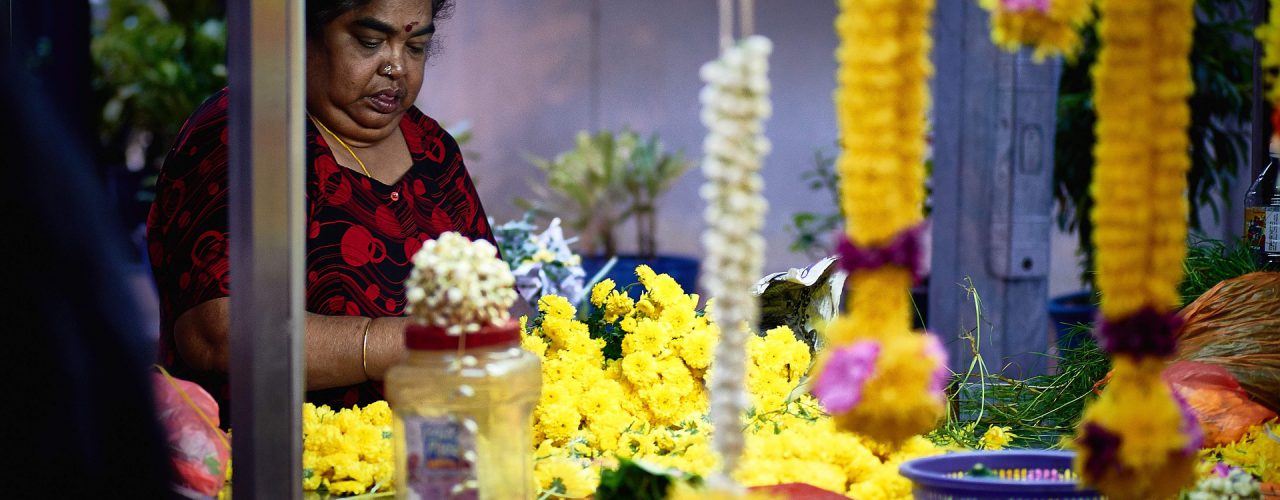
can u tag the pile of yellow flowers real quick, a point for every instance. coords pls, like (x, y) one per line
(629, 382)
(347, 452)
(1257, 452)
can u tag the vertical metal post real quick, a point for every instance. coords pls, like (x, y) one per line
(994, 115)
(1260, 131)
(265, 56)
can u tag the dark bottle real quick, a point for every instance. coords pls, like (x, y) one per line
(1262, 217)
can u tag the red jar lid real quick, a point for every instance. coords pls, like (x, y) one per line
(434, 338)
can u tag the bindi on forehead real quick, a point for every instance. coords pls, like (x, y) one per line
(409, 27)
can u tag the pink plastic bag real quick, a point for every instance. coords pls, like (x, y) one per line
(198, 448)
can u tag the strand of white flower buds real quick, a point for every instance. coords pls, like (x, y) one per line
(459, 285)
(735, 104)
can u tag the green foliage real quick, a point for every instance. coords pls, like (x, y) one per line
(810, 229)
(154, 62)
(606, 180)
(612, 333)
(1039, 411)
(1210, 261)
(632, 480)
(1221, 68)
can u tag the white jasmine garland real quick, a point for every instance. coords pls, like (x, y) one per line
(459, 285)
(735, 103)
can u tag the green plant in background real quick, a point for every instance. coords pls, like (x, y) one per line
(605, 180)
(154, 62)
(1210, 261)
(650, 173)
(1038, 412)
(1221, 67)
(810, 230)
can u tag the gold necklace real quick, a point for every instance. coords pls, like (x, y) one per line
(343, 144)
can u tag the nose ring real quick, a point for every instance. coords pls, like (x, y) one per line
(386, 70)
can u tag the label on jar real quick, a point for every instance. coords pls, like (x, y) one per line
(1273, 230)
(440, 454)
(1262, 228)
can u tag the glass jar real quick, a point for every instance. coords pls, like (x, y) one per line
(1262, 216)
(463, 414)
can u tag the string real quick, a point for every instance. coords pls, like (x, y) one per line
(726, 24)
(343, 144)
(746, 21)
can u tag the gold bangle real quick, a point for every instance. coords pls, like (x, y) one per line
(364, 350)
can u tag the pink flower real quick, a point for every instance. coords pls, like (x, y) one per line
(1024, 5)
(1222, 469)
(839, 386)
(934, 351)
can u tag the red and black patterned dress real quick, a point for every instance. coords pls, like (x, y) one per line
(361, 233)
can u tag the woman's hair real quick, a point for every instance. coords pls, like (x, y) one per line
(322, 12)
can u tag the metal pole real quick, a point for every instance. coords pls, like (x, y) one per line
(265, 56)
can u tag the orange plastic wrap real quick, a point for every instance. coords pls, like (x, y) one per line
(198, 448)
(1226, 413)
(1236, 325)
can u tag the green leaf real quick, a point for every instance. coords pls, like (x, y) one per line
(636, 480)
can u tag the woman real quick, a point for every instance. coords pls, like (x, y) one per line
(382, 178)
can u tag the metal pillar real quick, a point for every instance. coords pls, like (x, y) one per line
(994, 116)
(265, 56)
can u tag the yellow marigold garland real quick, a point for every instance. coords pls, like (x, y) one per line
(1136, 440)
(1050, 27)
(872, 378)
(1269, 35)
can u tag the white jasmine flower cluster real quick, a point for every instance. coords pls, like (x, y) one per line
(1236, 484)
(459, 284)
(735, 104)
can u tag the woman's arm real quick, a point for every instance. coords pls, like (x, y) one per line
(333, 344)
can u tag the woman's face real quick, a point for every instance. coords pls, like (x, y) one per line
(365, 68)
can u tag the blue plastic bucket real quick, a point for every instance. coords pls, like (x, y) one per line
(681, 268)
(1067, 311)
(1018, 474)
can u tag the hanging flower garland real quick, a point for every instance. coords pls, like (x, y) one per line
(735, 104)
(1051, 27)
(1269, 35)
(1138, 440)
(879, 378)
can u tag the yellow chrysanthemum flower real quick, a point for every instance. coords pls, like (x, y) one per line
(601, 291)
(996, 438)
(565, 477)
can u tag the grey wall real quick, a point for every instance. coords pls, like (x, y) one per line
(528, 74)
